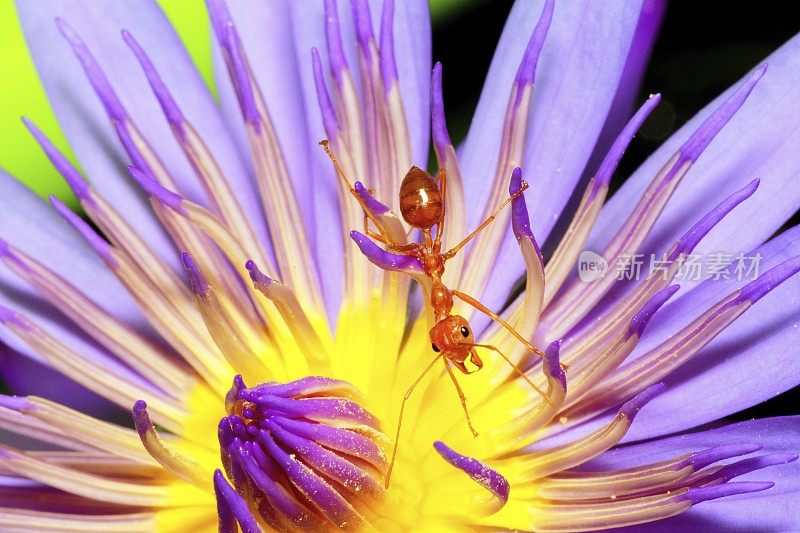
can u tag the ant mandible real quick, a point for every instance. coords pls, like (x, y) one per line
(422, 205)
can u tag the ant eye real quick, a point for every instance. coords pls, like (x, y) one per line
(435, 348)
(465, 331)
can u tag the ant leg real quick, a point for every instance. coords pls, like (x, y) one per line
(516, 369)
(460, 396)
(385, 238)
(390, 245)
(441, 177)
(494, 316)
(400, 418)
(455, 249)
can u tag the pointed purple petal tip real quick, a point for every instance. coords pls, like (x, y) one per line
(640, 320)
(712, 492)
(94, 73)
(552, 364)
(244, 89)
(441, 137)
(704, 458)
(329, 120)
(745, 466)
(696, 233)
(759, 288)
(363, 23)
(383, 259)
(621, 143)
(703, 136)
(481, 473)
(73, 178)
(157, 191)
(168, 105)
(388, 65)
(333, 35)
(197, 282)
(632, 407)
(374, 205)
(527, 69)
(100, 245)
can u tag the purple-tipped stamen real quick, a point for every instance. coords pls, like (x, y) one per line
(520, 222)
(759, 288)
(100, 245)
(388, 65)
(704, 458)
(168, 104)
(256, 276)
(552, 364)
(363, 23)
(441, 137)
(527, 68)
(141, 420)
(703, 136)
(94, 73)
(691, 238)
(374, 205)
(73, 178)
(479, 472)
(383, 259)
(197, 282)
(712, 492)
(329, 120)
(610, 162)
(632, 407)
(333, 35)
(640, 320)
(157, 191)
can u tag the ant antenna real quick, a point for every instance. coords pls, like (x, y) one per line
(400, 419)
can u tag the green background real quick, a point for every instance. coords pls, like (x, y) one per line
(22, 94)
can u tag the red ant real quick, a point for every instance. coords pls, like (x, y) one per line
(422, 205)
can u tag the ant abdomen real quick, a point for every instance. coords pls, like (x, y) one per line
(420, 199)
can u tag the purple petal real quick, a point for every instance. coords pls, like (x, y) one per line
(751, 361)
(576, 81)
(647, 30)
(27, 223)
(761, 140)
(85, 123)
(762, 511)
(27, 377)
(413, 59)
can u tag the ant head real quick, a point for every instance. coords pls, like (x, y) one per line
(452, 334)
(420, 199)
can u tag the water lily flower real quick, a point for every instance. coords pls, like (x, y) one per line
(265, 354)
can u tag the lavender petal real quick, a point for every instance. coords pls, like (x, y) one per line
(84, 121)
(577, 91)
(760, 141)
(766, 511)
